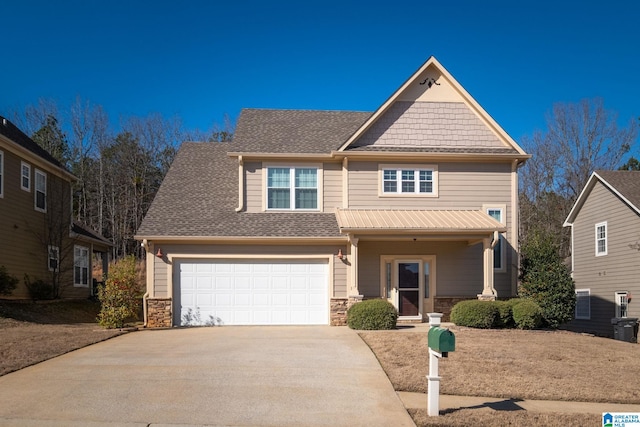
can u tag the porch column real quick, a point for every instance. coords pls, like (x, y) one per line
(353, 263)
(488, 292)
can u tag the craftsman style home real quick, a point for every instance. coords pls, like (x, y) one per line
(307, 212)
(39, 239)
(605, 250)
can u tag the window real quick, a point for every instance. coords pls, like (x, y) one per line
(80, 266)
(1, 174)
(622, 303)
(25, 173)
(41, 191)
(601, 239)
(583, 304)
(292, 188)
(54, 258)
(408, 180)
(498, 250)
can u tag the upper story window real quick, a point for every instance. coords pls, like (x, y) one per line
(1, 174)
(409, 180)
(25, 176)
(601, 239)
(41, 191)
(292, 188)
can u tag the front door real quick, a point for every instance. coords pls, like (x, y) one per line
(408, 288)
(409, 284)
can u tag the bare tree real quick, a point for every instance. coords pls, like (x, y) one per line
(580, 138)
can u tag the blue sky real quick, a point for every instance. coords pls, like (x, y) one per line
(202, 59)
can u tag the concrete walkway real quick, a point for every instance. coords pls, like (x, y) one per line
(449, 403)
(226, 376)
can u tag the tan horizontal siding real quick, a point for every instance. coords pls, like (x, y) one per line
(332, 186)
(23, 248)
(619, 270)
(253, 185)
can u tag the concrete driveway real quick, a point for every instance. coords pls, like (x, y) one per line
(231, 376)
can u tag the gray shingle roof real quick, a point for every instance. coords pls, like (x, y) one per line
(199, 195)
(295, 131)
(12, 132)
(626, 183)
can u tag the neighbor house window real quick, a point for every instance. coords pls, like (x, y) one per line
(292, 188)
(1, 174)
(498, 250)
(601, 239)
(25, 176)
(41, 191)
(54, 258)
(80, 266)
(583, 304)
(622, 303)
(407, 180)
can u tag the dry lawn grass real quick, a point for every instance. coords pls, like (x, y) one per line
(513, 364)
(540, 365)
(31, 333)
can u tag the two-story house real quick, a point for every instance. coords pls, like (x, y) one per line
(38, 237)
(605, 250)
(307, 212)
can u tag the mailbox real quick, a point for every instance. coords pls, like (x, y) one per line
(441, 340)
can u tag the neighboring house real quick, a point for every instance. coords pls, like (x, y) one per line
(605, 250)
(37, 235)
(308, 212)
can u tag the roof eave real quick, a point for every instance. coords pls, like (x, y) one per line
(429, 155)
(276, 156)
(244, 239)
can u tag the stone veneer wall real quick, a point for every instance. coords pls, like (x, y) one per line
(444, 305)
(159, 313)
(339, 307)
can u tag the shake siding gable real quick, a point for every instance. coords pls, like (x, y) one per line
(619, 269)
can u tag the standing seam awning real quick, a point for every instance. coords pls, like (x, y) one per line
(440, 221)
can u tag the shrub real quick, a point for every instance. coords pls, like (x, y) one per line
(120, 296)
(476, 314)
(505, 314)
(546, 280)
(374, 314)
(527, 314)
(38, 289)
(7, 282)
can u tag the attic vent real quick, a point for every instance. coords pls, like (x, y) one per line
(4, 121)
(430, 81)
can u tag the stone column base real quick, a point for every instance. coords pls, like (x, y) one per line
(159, 313)
(483, 297)
(339, 308)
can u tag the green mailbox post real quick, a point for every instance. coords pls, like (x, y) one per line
(441, 341)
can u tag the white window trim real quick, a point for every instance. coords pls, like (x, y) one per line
(413, 167)
(290, 166)
(606, 237)
(1, 173)
(22, 166)
(618, 298)
(57, 257)
(502, 207)
(588, 298)
(35, 191)
(75, 260)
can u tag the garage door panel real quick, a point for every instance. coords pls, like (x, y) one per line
(255, 292)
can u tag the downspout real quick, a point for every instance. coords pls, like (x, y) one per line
(145, 245)
(240, 184)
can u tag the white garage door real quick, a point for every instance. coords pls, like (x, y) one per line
(253, 292)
